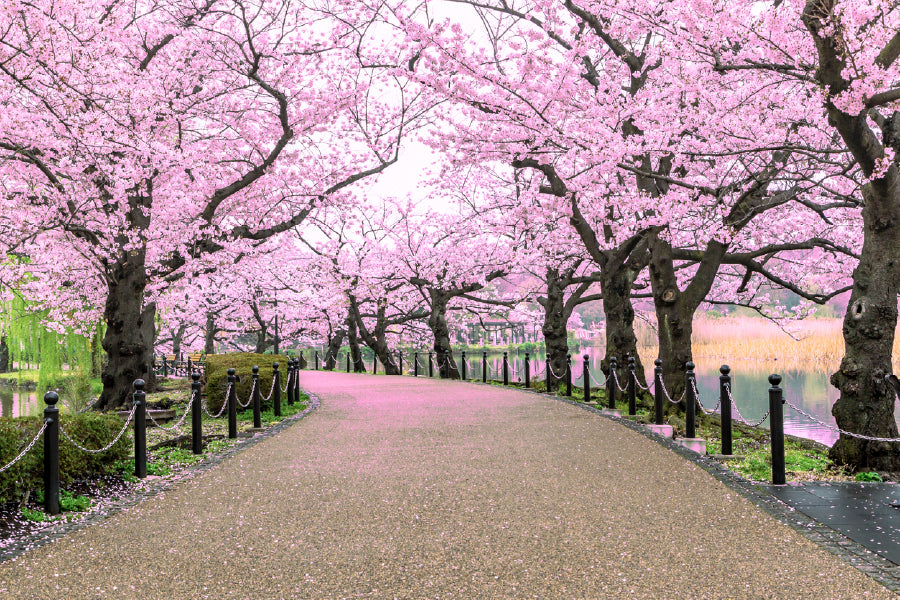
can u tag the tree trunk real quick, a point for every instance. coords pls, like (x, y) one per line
(261, 339)
(209, 342)
(334, 346)
(437, 322)
(675, 309)
(554, 328)
(4, 356)
(177, 338)
(616, 282)
(129, 339)
(866, 404)
(353, 342)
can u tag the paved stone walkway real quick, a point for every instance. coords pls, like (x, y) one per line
(413, 488)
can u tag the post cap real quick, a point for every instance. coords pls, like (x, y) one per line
(724, 369)
(504, 353)
(255, 369)
(195, 377)
(613, 360)
(689, 366)
(51, 398)
(774, 379)
(139, 385)
(231, 372)
(630, 361)
(548, 356)
(275, 366)
(586, 357)
(658, 362)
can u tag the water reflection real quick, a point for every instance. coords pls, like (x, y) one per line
(18, 403)
(807, 388)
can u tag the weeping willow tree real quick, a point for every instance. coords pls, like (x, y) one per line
(61, 359)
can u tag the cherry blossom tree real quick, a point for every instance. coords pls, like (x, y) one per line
(140, 139)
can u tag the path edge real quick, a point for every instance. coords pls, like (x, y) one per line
(153, 488)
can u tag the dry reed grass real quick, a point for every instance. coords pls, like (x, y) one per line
(805, 343)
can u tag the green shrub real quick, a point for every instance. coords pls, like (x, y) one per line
(217, 366)
(90, 429)
(868, 476)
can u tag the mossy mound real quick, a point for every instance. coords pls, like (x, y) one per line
(217, 366)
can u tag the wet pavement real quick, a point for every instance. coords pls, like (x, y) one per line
(867, 513)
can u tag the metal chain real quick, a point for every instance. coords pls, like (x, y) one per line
(868, 438)
(646, 388)
(552, 372)
(250, 399)
(760, 422)
(224, 405)
(108, 446)
(615, 379)
(700, 404)
(271, 391)
(27, 448)
(187, 409)
(668, 397)
(734, 403)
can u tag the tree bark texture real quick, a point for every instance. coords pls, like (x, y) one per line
(621, 342)
(353, 342)
(554, 329)
(866, 404)
(334, 345)
(437, 322)
(209, 337)
(675, 309)
(128, 341)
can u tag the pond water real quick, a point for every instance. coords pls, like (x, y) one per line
(808, 388)
(23, 403)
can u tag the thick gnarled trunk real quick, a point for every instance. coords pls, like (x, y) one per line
(621, 342)
(334, 345)
(353, 343)
(128, 341)
(866, 404)
(437, 322)
(554, 328)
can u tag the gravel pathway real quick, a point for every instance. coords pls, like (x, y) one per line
(415, 489)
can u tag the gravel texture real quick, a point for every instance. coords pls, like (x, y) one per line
(405, 488)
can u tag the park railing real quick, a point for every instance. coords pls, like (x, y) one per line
(171, 365)
(138, 416)
(726, 407)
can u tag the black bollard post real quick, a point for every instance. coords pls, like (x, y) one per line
(585, 372)
(725, 402)
(231, 399)
(464, 365)
(611, 382)
(400, 361)
(416, 365)
(569, 375)
(297, 383)
(430, 366)
(51, 454)
(690, 398)
(484, 367)
(632, 387)
(196, 415)
(505, 369)
(255, 399)
(140, 430)
(374, 363)
(290, 379)
(527, 371)
(317, 360)
(658, 391)
(348, 362)
(547, 365)
(776, 429)
(276, 390)
(165, 372)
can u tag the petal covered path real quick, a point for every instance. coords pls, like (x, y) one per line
(415, 488)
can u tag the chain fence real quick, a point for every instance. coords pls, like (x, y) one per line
(27, 448)
(109, 445)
